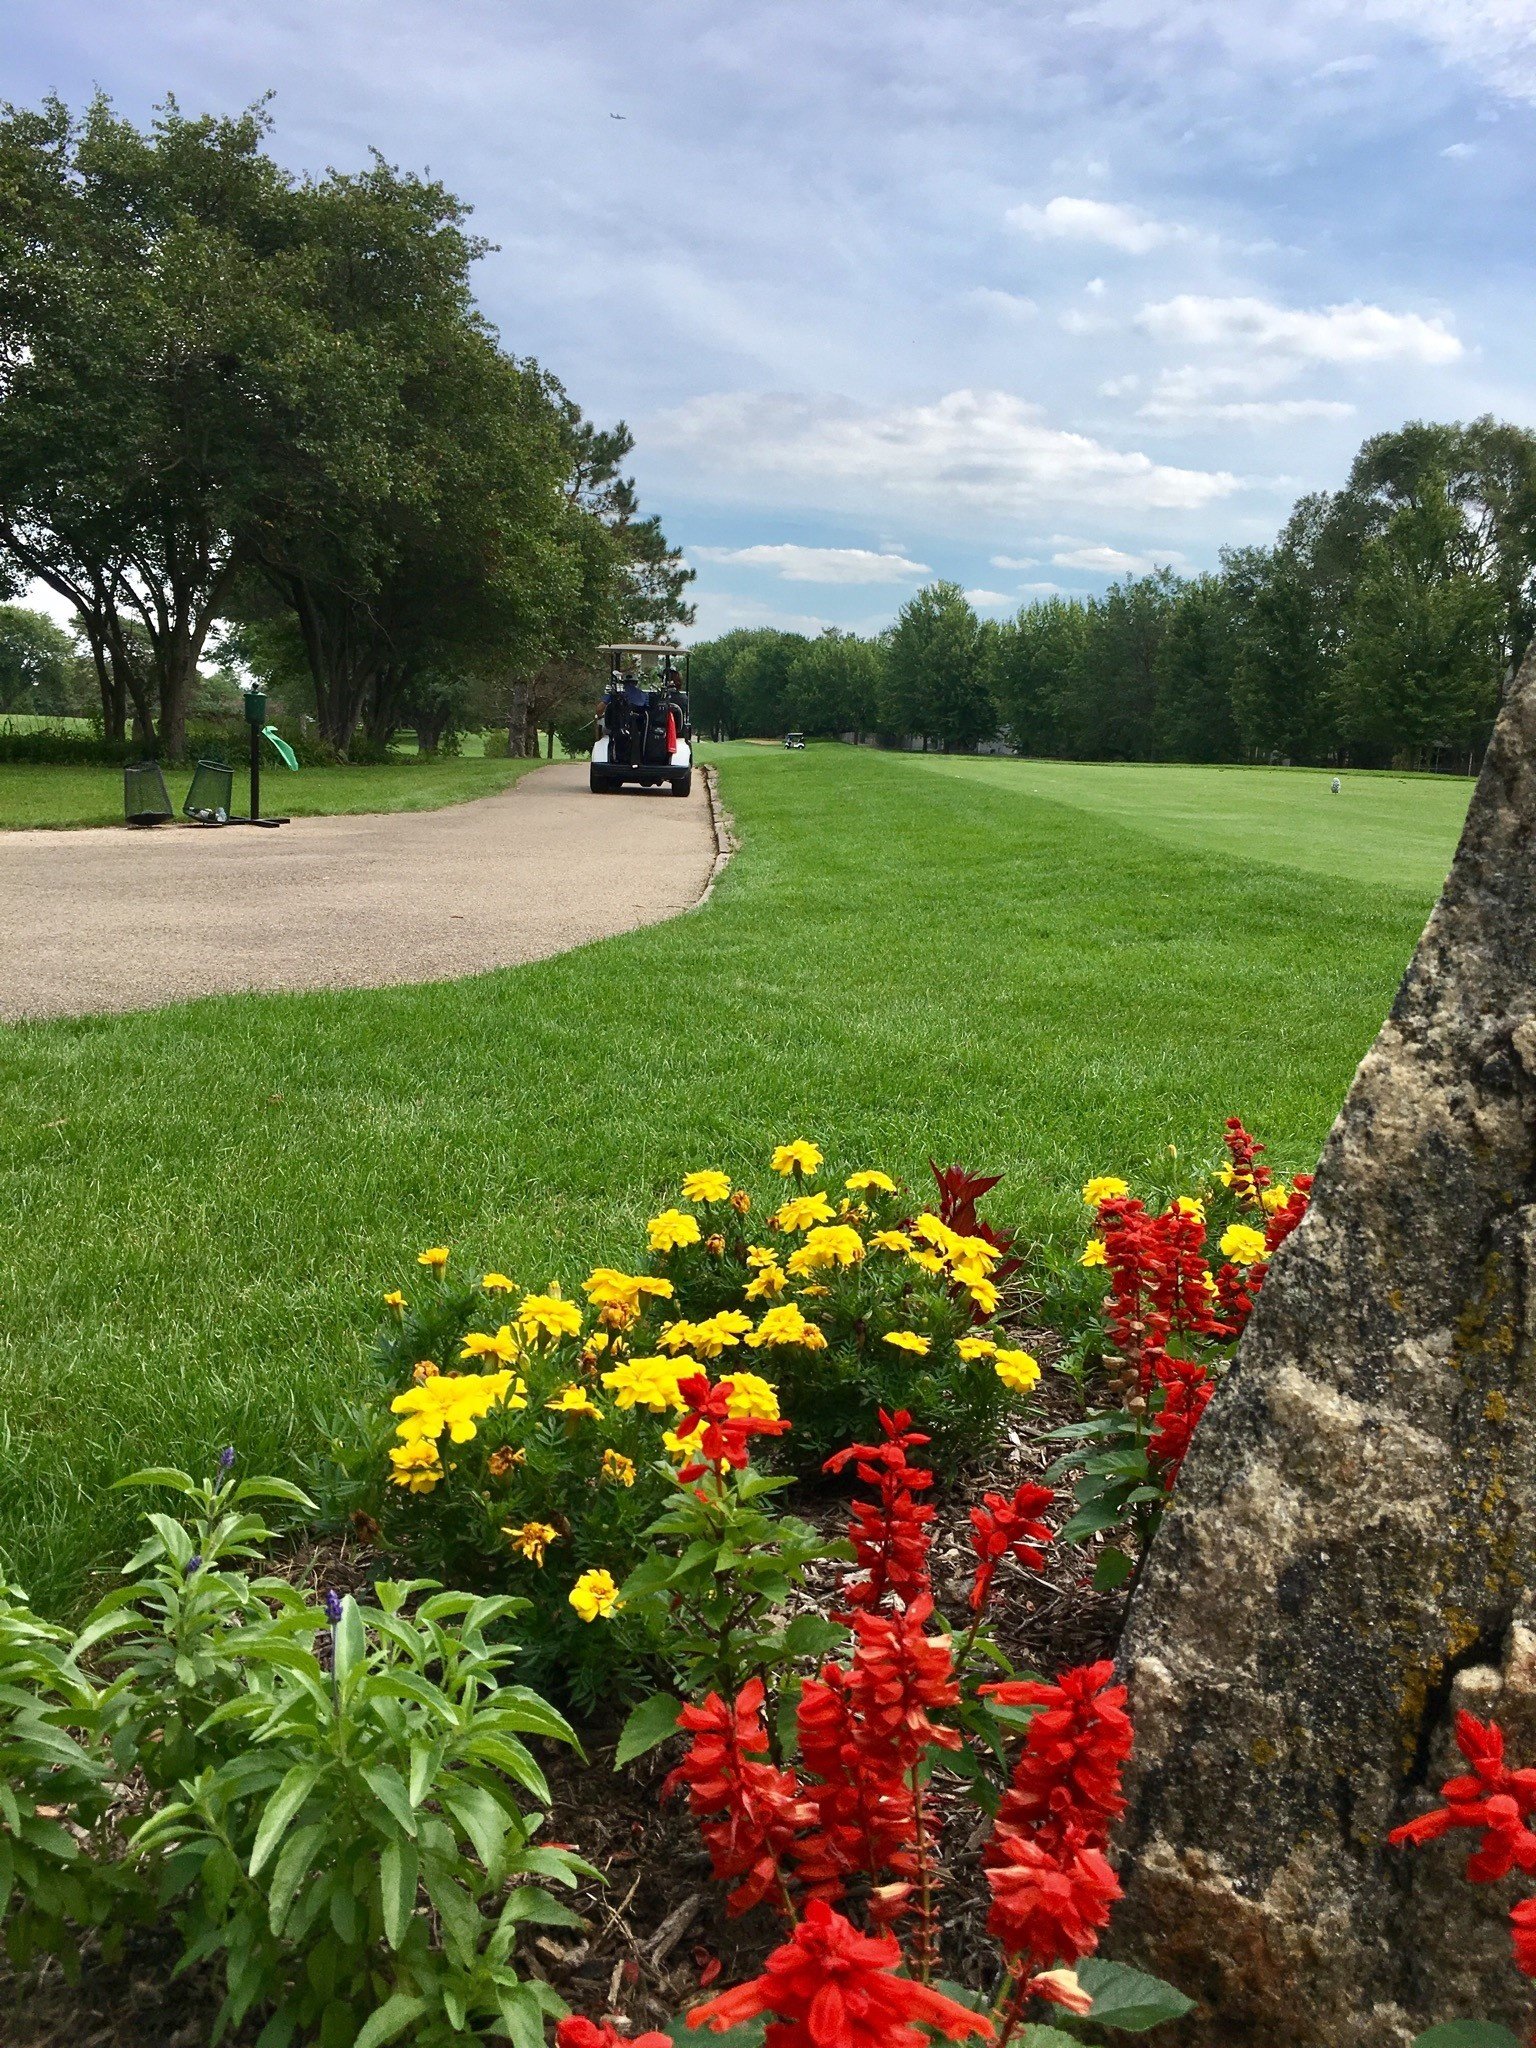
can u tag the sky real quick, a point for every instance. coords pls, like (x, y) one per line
(1030, 296)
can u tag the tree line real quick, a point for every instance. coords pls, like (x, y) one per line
(257, 418)
(1377, 630)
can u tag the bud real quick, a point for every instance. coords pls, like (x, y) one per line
(715, 1245)
(741, 1201)
(422, 1371)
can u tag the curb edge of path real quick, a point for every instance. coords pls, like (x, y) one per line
(720, 823)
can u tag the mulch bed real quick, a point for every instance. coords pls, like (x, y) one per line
(657, 1933)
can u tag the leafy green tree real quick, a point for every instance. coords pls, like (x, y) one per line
(1037, 653)
(937, 677)
(1111, 695)
(37, 662)
(1193, 718)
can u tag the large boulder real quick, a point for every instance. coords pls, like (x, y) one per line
(1348, 1556)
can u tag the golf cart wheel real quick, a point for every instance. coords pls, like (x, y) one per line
(601, 782)
(682, 781)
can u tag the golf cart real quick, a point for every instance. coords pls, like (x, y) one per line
(643, 731)
(795, 742)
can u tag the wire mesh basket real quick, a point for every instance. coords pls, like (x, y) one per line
(146, 800)
(212, 791)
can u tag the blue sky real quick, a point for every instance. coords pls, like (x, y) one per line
(1026, 295)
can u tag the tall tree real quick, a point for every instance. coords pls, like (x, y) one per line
(938, 684)
(1192, 715)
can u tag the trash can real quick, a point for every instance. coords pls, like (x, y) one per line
(212, 792)
(146, 800)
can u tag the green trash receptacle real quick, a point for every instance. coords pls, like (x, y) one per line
(146, 800)
(212, 791)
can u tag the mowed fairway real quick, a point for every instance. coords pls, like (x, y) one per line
(995, 962)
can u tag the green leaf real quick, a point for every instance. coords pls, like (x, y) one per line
(391, 2020)
(351, 1643)
(1112, 1570)
(281, 1809)
(651, 1722)
(290, 1871)
(1129, 1999)
(266, 1487)
(1088, 1521)
(1048, 2037)
(398, 1870)
(1467, 2034)
(812, 1635)
(158, 1475)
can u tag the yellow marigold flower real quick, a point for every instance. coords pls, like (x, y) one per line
(595, 1594)
(435, 1257)
(480, 1344)
(1274, 1197)
(971, 1258)
(606, 1287)
(741, 1201)
(771, 1280)
(618, 1468)
(646, 1383)
(1242, 1244)
(1186, 1205)
(870, 1177)
(801, 1211)
(505, 1459)
(761, 1255)
(573, 1400)
(985, 1296)
(706, 1186)
(787, 1325)
(455, 1402)
(549, 1315)
(909, 1340)
(1094, 1253)
(891, 1241)
(708, 1339)
(395, 1300)
(1224, 1173)
(671, 1230)
(594, 1347)
(423, 1370)
(930, 1262)
(972, 1348)
(613, 1315)
(676, 1336)
(497, 1283)
(833, 1244)
(1017, 1370)
(935, 1231)
(799, 1156)
(817, 1292)
(1103, 1187)
(532, 1539)
(748, 1395)
(681, 1447)
(416, 1464)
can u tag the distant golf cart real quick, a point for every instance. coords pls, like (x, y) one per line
(644, 735)
(795, 742)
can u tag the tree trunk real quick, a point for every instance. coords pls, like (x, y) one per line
(1351, 1553)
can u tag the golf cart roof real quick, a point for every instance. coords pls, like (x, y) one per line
(640, 647)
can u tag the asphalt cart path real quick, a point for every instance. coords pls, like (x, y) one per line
(120, 919)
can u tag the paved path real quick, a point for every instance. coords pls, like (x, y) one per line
(115, 919)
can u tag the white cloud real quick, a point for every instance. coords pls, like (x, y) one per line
(1346, 67)
(796, 564)
(1192, 393)
(1076, 321)
(971, 452)
(719, 612)
(1015, 561)
(1456, 150)
(1013, 305)
(1117, 387)
(1044, 589)
(1095, 220)
(1496, 39)
(1098, 559)
(984, 599)
(1355, 333)
(1095, 287)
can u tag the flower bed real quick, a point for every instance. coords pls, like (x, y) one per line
(340, 1796)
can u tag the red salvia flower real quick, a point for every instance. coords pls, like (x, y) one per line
(889, 1535)
(723, 1445)
(1187, 1390)
(831, 1987)
(1285, 1219)
(1008, 1528)
(866, 1822)
(753, 1810)
(577, 2032)
(1068, 1776)
(899, 1677)
(1249, 1177)
(1491, 1800)
(1050, 1900)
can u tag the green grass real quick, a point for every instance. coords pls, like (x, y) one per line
(70, 795)
(205, 1203)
